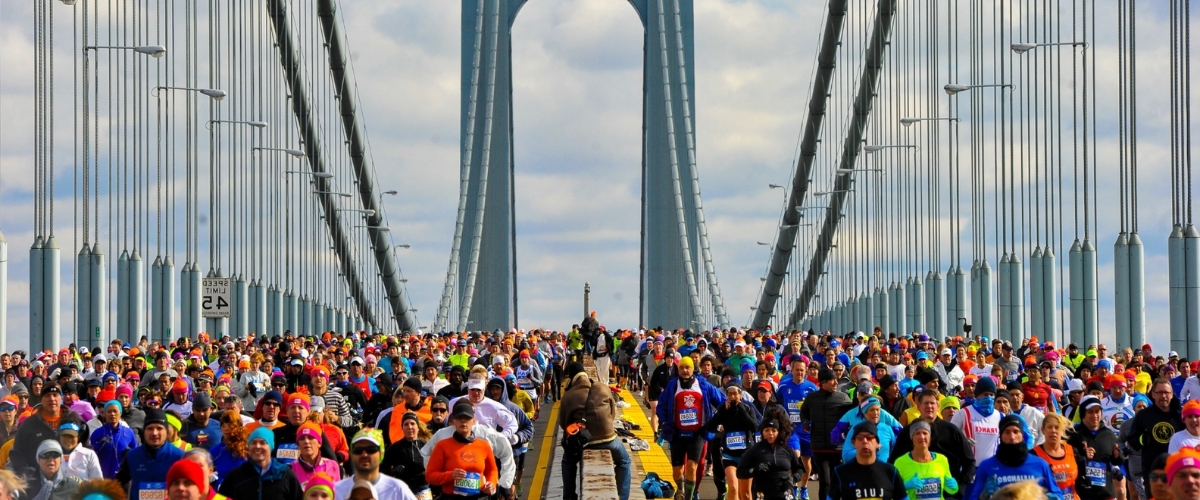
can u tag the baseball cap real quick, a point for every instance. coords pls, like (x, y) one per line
(462, 409)
(476, 383)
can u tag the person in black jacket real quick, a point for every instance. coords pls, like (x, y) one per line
(732, 429)
(402, 460)
(865, 477)
(589, 328)
(284, 443)
(37, 428)
(261, 477)
(770, 462)
(1149, 433)
(944, 438)
(1100, 448)
(820, 414)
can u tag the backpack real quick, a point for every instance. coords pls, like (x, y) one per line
(655, 487)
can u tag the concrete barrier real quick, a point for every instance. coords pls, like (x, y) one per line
(599, 482)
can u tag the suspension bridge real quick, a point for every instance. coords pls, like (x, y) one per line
(948, 173)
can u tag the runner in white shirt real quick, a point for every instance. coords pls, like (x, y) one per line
(895, 368)
(1118, 406)
(1191, 389)
(980, 422)
(1190, 436)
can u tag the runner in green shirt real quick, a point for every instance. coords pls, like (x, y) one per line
(926, 474)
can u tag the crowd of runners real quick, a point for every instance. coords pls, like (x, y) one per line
(761, 414)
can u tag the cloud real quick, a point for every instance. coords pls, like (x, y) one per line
(577, 128)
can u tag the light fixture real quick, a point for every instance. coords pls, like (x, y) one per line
(909, 121)
(774, 186)
(319, 175)
(404, 246)
(875, 148)
(252, 123)
(215, 94)
(155, 51)
(801, 209)
(763, 243)
(954, 88)
(1024, 47)
(392, 192)
(844, 171)
(343, 195)
(827, 193)
(366, 211)
(294, 152)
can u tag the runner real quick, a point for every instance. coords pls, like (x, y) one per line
(866, 477)
(684, 407)
(792, 391)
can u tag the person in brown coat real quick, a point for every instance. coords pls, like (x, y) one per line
(589, 408)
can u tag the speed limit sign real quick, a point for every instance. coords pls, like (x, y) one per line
(214, 299)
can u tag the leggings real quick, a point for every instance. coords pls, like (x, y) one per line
(823, 464)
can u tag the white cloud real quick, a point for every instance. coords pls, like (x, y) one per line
(577, 105)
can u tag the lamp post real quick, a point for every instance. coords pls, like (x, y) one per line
(366, 211)
(909, 121)
(954, 88)
(844, 171)
(155, 51)
(215, 94)
(252, 123)
(1024, 47)
(319, 175)
(293, 152)
(875, 148)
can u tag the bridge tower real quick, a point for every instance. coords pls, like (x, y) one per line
(678, 283)
(677, 270)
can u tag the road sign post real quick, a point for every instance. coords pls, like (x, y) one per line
(214, 300)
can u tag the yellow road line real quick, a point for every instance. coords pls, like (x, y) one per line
(544, 456)
(655, 459)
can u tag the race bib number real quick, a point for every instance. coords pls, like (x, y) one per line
(524, 383)
(1096, 472)
(735, 441)
(689, 416)
(793, 409)
(152, 491)
(425, 494)
(288, 453)
(930, 488)
(469, 485)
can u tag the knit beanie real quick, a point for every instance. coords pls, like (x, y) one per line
(264, 434)
(309, 429)
(125, 389)
(985, 384)
(318, 482)
(189, 470)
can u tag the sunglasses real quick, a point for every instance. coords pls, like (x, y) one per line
(367, 450)
(432, 410)
(1154, 476)
(7, 407)
(50, 455)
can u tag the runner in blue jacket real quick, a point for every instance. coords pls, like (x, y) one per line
(792, 391)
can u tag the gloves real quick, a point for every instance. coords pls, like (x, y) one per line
(914, 483)
(253, 388)
(1117, 474)
(950, 484)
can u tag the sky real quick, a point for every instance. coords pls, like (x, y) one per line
(577, 125)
